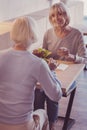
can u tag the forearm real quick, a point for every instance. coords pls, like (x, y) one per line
(79, 59)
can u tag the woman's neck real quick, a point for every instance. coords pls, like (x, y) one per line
(19, 47)
(62, 32)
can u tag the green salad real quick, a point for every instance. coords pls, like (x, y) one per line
(42, 53)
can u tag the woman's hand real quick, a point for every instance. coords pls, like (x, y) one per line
(52, 64)
(63, 51)
(70, 57)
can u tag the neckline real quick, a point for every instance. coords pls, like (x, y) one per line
(64, 36)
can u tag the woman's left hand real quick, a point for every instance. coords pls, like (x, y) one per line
(70, 57)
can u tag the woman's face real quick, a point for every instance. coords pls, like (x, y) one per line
(57, 19)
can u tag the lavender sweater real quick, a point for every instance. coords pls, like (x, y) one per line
(19, 72)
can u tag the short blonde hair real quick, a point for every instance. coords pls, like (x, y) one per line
(24, 31)
(60, 8)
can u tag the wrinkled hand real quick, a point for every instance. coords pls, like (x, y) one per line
(70, 57)
(52, 64)
(63, 51)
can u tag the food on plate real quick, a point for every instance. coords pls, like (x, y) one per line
(45, 54)
(42, 53)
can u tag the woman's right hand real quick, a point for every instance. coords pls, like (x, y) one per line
(63, 52)
(52, 64)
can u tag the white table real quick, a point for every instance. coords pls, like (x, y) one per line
(68, 78)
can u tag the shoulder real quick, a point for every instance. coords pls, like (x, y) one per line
(36, 60)
(76, 31)
(5, 51)
(38, 64)
(49, 35)
(49, 32)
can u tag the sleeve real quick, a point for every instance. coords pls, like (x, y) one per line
(81, 54)
(49, 82)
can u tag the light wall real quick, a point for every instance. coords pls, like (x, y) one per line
(85, 7)
(10, 9)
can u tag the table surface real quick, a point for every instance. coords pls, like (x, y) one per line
(69, 75)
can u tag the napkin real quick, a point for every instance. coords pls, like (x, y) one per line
(62, 66)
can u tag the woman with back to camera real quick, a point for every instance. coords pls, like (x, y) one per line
(65, 43)
(19, 72)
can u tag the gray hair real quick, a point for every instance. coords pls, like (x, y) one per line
(24, 31)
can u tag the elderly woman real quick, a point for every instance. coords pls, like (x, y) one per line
(19, 72)
(65, 43)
